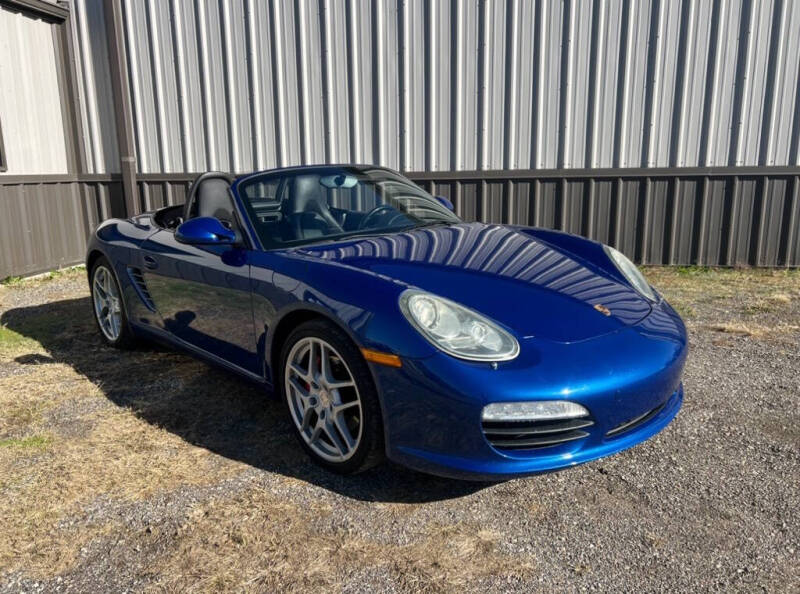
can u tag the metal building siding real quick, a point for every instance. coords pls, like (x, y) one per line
(634, 85)
(450, 85)
(30, 104)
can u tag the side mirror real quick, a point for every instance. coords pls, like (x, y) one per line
(445, 202)
(204, 231)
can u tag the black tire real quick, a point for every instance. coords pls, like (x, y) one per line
(125, 339)
(369, 450)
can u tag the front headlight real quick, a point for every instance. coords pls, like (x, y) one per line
(457, 330)
(630, 272)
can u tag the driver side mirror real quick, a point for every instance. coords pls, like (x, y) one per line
(204, 231)
(445, 202)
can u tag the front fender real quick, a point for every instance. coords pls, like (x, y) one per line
(363, 304)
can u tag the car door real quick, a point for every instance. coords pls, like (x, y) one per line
(203, 296)
(202, 293)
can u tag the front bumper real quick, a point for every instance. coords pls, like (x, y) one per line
(432, 407)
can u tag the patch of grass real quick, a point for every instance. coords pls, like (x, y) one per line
(59, 273)
(692, 270)
(780, 298)
(741, 329)
(34, 442)
(11, 341)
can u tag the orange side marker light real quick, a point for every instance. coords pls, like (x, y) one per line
(382, 358)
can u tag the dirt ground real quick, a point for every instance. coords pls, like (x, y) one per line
(151, 471)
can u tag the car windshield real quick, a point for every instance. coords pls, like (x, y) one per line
(291, 208)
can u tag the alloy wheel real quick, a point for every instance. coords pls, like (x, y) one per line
(107, 303)
(323, 399)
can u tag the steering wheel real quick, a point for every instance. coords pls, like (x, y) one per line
(374, 214)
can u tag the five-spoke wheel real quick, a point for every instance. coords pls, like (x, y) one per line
(109, 311)
(323, 399)
(331, 398)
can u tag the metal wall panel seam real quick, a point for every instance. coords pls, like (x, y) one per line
(89, 94)
(690, 28)
(656, 79)
(459, 90)
(483, 88)
(327, 89)
(354, 86)
(143, 156)
(512, 41)
(404, 98)
(202, 41)
(158, 75)
(180, 65)
(305, 103)
(255, 85)
(746, 81)
(380, 52)
(769, 158)
(279, 90)
(430, 99)
(595, 107)
(231, 87)
(623, 95)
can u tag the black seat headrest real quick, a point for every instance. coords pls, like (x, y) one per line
(305, 196)
(214, 200)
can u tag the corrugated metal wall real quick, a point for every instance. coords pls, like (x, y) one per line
(538, 113)
(730, 218)
(449, 85)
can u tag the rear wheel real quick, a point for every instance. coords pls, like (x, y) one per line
(331, 398)
(109, 310)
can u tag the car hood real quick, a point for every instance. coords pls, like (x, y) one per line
(527, 285)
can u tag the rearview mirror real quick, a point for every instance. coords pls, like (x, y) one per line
(445, 202)
(204, 231)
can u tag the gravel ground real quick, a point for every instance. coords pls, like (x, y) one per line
(190, 480)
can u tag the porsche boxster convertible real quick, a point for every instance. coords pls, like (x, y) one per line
(391, 328)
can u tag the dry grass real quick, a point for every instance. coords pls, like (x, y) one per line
(751, 302)
(219, 549)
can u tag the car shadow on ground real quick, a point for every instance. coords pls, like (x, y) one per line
(205, 406)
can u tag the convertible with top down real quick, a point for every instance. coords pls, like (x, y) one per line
(390, 328)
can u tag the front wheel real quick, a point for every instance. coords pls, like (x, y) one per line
(331, 398)
(109, 310)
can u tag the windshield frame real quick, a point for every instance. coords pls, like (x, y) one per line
(381, 174)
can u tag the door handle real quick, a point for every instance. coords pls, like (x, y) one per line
(150, 263)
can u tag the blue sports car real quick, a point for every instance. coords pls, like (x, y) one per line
(391, 328)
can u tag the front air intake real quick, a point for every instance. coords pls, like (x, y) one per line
(529, 435)
(631, 424)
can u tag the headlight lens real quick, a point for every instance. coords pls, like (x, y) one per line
(543, 410)
(630, 271)
(457, 330)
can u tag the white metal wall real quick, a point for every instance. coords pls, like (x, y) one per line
(445, 85)
(30, 103)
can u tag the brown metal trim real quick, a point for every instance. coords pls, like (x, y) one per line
(39, 8)
(120, 84)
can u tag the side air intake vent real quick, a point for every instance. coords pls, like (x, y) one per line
(141, 287)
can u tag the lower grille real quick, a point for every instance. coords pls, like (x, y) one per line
(141, 287)
(529, 435)
(635, 422)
